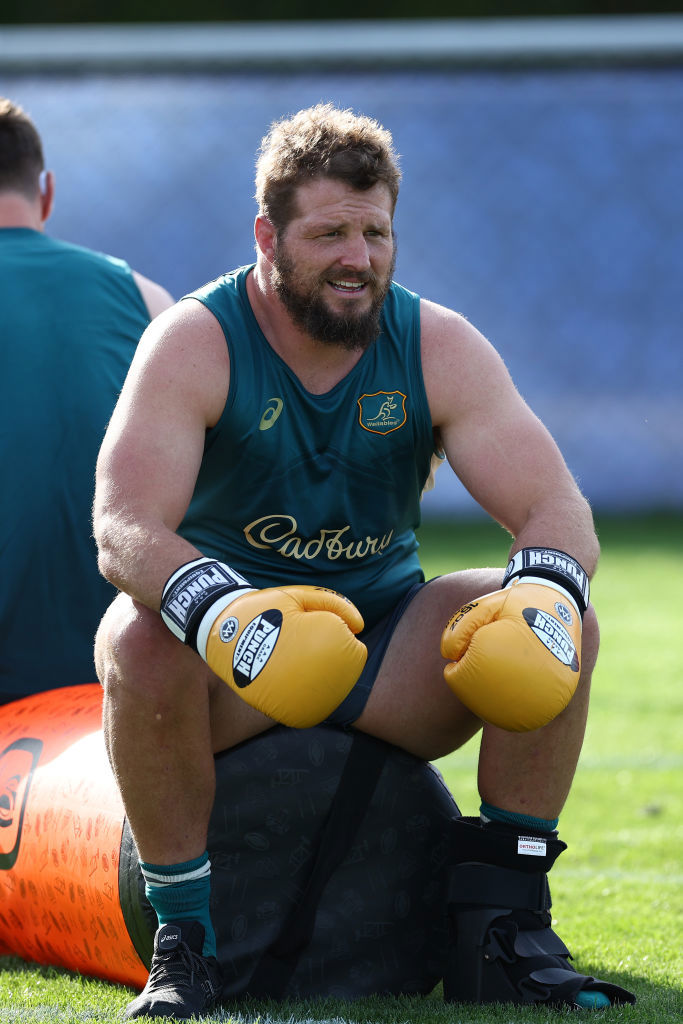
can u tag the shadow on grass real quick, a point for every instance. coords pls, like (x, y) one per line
(656, 1004)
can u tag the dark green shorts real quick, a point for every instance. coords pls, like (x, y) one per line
(376, 640)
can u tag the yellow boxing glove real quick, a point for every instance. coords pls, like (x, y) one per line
(516, 653)
(289, 652)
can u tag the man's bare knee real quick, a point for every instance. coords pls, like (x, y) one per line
(134, 649)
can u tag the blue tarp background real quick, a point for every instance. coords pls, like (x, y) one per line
(545, 205)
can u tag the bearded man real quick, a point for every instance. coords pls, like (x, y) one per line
(257, 501)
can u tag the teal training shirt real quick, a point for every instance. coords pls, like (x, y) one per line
(316, 489)
(70, 320)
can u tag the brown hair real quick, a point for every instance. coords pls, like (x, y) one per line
(322, 142)
(21, 151)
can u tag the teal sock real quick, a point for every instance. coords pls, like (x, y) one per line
(489, 813)
(180, 892)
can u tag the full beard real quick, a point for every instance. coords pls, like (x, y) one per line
(310, 313)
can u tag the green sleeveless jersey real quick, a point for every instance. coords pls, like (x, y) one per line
(70, 320)
(316, 489)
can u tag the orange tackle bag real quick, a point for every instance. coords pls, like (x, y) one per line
(61, 822)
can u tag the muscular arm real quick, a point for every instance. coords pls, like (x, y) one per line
(148, 463)
(498, 448)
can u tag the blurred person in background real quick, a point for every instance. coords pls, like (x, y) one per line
(70, 321)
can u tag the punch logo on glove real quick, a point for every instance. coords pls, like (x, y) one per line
(555, 566)
(188, 591)
(255, 645)
(553, 635)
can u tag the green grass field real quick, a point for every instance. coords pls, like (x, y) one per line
(617, 889)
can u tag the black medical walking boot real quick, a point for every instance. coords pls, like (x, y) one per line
(182, 983)
(502, 946)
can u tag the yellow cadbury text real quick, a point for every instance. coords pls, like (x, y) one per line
(280, 534)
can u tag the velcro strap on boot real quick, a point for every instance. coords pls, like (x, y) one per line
(560, 986)
(539, 943)
(503, 847)
(484, 885)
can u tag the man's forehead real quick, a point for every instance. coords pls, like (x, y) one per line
(325, 198)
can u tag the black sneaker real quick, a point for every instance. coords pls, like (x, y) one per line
(182, 983)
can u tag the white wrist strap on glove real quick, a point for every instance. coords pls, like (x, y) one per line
(549, 566)
(194, 595)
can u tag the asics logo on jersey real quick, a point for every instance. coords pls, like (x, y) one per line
(271, 413)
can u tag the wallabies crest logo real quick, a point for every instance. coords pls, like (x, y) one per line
(382, 412)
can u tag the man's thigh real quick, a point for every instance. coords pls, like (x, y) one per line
(410, 704)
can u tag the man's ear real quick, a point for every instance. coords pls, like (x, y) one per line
(47, 194)
(265, 236)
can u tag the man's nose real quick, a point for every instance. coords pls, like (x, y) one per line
(355, 253)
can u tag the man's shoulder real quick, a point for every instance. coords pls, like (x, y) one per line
(231, 283)
(83, 252)
(400, 303)
(42, 242)
(401, 293)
